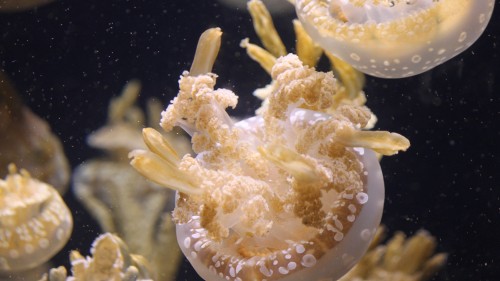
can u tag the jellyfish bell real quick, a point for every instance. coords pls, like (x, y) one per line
(35, 223)
(397, 38)
(253, 228)
(290, 251)
(378, 11)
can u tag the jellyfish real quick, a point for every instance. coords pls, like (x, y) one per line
(110, 260)
(293, 193)
(400, 258)
(35, 223)
(21, 5)
(394, 38)
(129, 205)
(28, 141)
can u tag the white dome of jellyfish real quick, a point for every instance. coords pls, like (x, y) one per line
(395, 38)
(293, 193)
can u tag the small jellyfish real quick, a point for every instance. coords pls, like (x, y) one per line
(35, 223)
(110, 260)
(293, 193)
(395, 38)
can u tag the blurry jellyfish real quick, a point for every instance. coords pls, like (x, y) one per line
(21, 5)
(35, 223)
(293, 193)
(121, 200)
(27, 141)
(400, 259)
(111, 260)
(398, 38)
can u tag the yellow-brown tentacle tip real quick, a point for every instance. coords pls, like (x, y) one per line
(264, 27)
(383, 142)
(160, 164)
(263, 57)
(206, 52)
(298, 166)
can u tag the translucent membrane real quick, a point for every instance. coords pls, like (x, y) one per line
(398, 38)
(299, 260)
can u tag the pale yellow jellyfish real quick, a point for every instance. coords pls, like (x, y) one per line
(395, 38)
(121, 200)
(34, 222)
(400, 259)
(294, 193)
(111, 260)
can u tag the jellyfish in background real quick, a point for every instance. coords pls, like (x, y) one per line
(395, 38)
(35, 223)
(110, 260)
(28, 141)
(128, 205)
(293, 193)
(401, 259)
(21, 5)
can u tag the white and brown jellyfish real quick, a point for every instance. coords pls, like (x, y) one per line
(35, 223)
(395, 38)
(293, 193)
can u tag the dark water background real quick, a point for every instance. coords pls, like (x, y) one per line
(67, 59)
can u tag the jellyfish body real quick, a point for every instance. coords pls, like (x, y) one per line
(395, 39)
(305, 217)
(291, 251)
(35, 223)
(293, 193)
